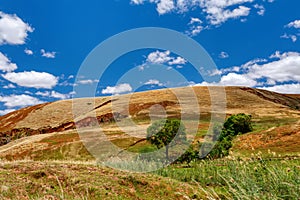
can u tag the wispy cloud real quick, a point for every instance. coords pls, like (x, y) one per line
(293, 27)
(294, 38)
(87, 81)
(48, 54)
(260, 9)
(53, 94)
(223, 55)
(153, 82)
(195, 26)
(6, 65)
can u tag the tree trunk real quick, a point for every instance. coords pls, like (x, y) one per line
(167, 153)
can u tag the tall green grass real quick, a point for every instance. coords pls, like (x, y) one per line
(241, 179)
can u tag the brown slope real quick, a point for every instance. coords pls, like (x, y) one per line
(283, 140)
(297, 96)
(9, 121)
(292, 101)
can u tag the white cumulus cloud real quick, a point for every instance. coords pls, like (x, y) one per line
(118, 89)
(164, 57)
(13, 30)
(285, 88)
(165, 6)
(234, 79)
(285, 68)
(28, 52)
(159, 57)
(32, 79)
(279, 73)
(218, 16)
(19, 100)
(294, 24)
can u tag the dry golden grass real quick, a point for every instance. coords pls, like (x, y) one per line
(84, 180)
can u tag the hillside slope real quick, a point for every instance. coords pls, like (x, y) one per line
(252, 101)
(59, 139)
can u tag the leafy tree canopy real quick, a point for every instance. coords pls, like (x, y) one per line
(165, 133)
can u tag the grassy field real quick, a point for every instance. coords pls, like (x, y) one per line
(230, 178)
(263, 164)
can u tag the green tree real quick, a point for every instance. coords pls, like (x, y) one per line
(165, 133)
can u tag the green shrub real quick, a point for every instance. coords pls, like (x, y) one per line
(190, 155)
(238, 124)
(233, 126)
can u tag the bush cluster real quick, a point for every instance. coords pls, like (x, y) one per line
(166, 133)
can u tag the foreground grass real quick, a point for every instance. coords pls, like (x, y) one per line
(228, 178)
(238, 179)
(79, 180)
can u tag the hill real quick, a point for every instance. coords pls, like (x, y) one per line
(48, 131)
(253, 101)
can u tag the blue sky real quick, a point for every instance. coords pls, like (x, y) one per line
(254, 43)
